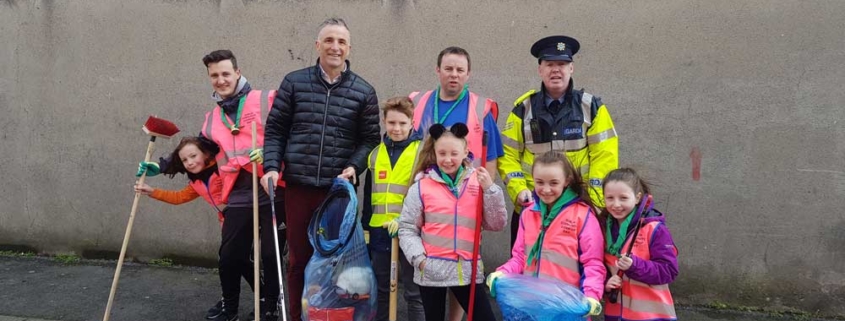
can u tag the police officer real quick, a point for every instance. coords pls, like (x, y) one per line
(557, 117)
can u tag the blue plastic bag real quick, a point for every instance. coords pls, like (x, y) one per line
(526, 298)
(339, 281)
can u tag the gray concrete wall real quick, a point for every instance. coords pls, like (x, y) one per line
(752, 88)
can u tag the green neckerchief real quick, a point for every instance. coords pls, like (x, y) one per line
(614, 247)
(548, 217)
(437, 119)
(233, 128)
(452, 184)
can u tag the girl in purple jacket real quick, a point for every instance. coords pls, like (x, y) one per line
(640, 274)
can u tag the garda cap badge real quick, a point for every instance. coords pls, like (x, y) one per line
(561, 46)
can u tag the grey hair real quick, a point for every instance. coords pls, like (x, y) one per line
(333, 21)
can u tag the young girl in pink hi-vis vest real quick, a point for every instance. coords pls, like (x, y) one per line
(559, 236)
(438, 221)
(198, 163)
(648, 265)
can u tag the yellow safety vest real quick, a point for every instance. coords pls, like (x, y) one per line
(390, 183)
(594, 154)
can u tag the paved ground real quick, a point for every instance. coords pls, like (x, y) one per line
(40, 289)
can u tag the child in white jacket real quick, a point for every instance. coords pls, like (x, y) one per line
(438, 220)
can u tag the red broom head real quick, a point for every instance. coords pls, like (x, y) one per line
(160, 127)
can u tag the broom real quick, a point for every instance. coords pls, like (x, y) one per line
(614, 294)
(256, 245)
(394, 260)
(155, 127)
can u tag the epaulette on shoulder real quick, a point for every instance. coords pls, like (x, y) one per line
(524, 97)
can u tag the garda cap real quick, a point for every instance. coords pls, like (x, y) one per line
(555, 48)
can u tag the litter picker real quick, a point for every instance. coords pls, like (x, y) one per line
(477, 241)
(614, 294)
(280, 303)
(155, 127)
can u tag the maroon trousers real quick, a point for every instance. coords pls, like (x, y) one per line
(300, 203)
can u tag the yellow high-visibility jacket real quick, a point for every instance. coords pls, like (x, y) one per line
(582, 128)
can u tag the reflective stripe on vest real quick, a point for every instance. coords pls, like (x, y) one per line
(640, 301)
(448, 229)
(561, 145)
(560, 252)
(475, 124)
(575, 149)
(390, 183)
(234, 149)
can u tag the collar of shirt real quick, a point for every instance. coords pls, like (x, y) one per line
(326, 76)
(548, 99)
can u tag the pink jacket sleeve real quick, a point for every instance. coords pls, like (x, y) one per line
(516, 264)
(592, 252)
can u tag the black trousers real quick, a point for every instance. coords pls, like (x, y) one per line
(434, 302)
(236, 246)
(514, 227)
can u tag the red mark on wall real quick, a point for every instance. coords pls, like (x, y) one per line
(695, 157)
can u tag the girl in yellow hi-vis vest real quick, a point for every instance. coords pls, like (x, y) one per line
(437, 226)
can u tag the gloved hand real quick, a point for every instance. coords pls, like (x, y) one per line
(392, 227)
(595, 307)
(491, 281)
(151, 168)
(257, 156)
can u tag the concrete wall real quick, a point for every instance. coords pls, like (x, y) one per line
(751, 90)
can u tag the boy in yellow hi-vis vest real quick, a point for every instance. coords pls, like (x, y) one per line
(390, 174)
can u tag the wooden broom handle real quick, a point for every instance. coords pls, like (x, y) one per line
(106, 316)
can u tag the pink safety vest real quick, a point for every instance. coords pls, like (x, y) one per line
(559, 258)
(212, 194)
(234, 149)
(448, 229)
(475, 121)
(637, 300)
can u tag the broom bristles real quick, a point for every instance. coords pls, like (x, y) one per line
(160, 127)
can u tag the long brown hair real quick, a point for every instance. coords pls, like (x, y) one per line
(176, 166)
(629, 177)
(428, 157)
(576, 182)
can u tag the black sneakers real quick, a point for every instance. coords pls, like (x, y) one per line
(226, 316)
(270, 316)
(215, 311)
(269, 310)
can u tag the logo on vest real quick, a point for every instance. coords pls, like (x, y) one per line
(640, 239)
(382, 174)
(249, 117)
(573, 131)
(569, 226)
(473, 189)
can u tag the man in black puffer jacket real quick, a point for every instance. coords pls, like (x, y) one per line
(323, 124)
